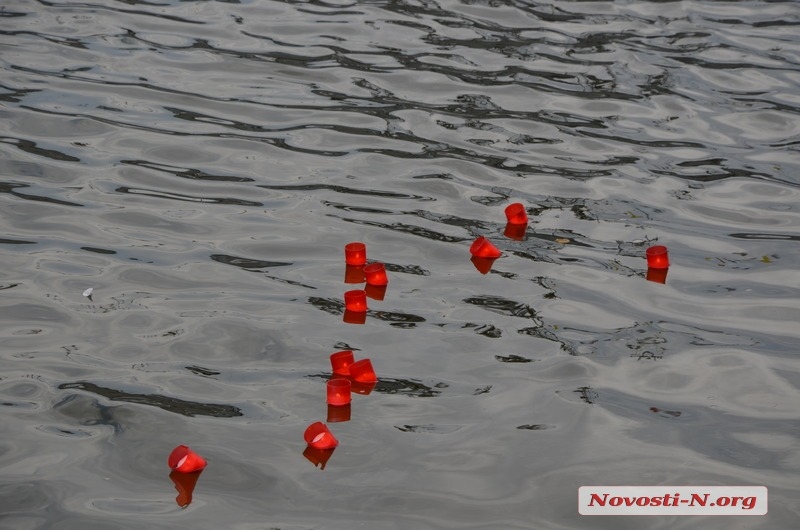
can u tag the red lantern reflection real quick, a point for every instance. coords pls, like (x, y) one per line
(484, 265)
(657, 275)
(184, 485)
(516, 231)
(318, 457)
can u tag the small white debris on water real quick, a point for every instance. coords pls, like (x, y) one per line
(88, 292)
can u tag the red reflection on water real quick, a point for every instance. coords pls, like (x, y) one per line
(484, 265)
(354, 317)
(516, 231)
(184, 485)
(364, 389)
(338, 413)
(376, 292)
(318, 456)
(657, 275)
(354, 274)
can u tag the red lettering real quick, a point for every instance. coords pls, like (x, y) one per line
(596, 498)
(700, 500)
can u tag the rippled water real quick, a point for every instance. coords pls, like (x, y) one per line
(201, 165)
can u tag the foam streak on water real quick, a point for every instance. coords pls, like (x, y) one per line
(198, 167)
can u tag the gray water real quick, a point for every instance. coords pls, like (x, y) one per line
(200, 166)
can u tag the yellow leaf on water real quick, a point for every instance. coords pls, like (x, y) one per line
(562, 240)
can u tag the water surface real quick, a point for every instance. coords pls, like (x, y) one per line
(201, 165)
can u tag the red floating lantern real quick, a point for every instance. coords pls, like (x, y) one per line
(376, 274)
(338, 392)
(363, 372)
(356, 301)
(483, 248)
(657, 275)
(354, 274)
(355, 253)
(657, 257)
(318, 436)
(515, 231)
(341, 361)
(338, 413)
(184, 460)
(516, 214)
(184, 485)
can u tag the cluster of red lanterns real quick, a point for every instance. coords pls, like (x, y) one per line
(349, 375)
(484, 253)
(357, 270)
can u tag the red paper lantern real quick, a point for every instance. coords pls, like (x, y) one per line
(341, 361)
(363, 372)
(515, 213)
(184, 460)
(355, 253)
(657, 257)
(356, 301)
(483, 248)
(338, 392)
(318, 436)
(376, 274)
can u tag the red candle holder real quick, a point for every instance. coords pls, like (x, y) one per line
(375, 274)
(338, 392)
(341, 361)
(657, 257)
(318, 436)
(354, 317)
(354, 274)
(484, 265)
(184, 485)
(516, 214)
(338, 413)
(376, 292)
(363, 372)
(515, 231)
(657, 275)
(355, 300)
(355, 253)
(483, 248)
(318, 457)
(184, 460)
